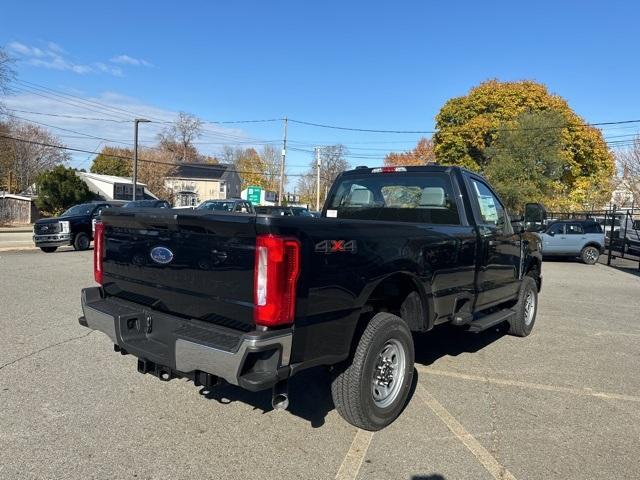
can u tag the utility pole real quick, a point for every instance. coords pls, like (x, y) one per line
(318, 163)
(135, 154)
(284, 158)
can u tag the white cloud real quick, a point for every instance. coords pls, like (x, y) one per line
(116, 133)
(128, 60)
(54, 57)
(26, 50)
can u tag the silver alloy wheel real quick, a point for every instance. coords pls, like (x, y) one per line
(591, 255)
(388, 373)
(529, 308)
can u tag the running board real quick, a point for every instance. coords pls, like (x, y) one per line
(491, 320)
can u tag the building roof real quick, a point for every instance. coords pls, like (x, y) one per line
(200, 171)
(109, 178)
(14, 196)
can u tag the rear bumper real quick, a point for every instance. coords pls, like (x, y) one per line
(170, 346)
(52, 240)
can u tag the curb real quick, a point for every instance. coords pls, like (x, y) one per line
(17, 249)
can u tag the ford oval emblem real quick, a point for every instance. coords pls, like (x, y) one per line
(161, 255)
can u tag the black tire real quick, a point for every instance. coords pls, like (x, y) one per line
(353, 387)
(590, 255)
(522, 323)
(48, 249)
(81, 241)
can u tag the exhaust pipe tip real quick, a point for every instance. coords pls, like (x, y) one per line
(280, 401)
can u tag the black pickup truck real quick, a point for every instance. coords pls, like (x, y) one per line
(73, 227)
(252, 300)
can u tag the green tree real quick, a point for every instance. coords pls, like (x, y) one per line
(466, 128)
(525, 162)
(251, 168)
(59, 189)
(113, 161)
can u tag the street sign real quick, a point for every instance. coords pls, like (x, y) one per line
(254, 194)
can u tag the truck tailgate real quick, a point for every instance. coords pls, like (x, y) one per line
(191, 264)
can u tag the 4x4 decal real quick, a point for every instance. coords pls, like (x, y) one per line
(336, 246)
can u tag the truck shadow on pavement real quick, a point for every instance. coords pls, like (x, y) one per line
(309, 396)
(310, 390)
(449, 341)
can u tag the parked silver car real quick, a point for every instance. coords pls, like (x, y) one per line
(573, 238)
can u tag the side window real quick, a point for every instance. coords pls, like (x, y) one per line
(556, 229)
(491, 210)
(574, 229)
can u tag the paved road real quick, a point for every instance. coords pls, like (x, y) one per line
(563, 403)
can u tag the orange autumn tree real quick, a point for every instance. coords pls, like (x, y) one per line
(420, 155)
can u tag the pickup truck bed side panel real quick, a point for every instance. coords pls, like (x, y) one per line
(335, 285)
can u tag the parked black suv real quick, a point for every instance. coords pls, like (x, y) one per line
(73, 227)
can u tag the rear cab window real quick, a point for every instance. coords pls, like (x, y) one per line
(419, 197)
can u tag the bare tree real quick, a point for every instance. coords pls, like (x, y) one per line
(272, 158)
(37, 151)
(154, 168)
(628, 183)
(7, 74)
(332, 163)
(179, 137)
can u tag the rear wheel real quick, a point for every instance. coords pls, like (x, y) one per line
(371, 389)
(590, 255)
(48, 249)
(526, 309)
(81, 241)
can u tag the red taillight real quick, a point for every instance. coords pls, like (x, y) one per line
(275, 277)
(98, 251)
(388, 169)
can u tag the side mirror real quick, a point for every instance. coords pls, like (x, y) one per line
(551, 233)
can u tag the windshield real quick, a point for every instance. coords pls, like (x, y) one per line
(82, 209)
(218, 206)
(420, 197)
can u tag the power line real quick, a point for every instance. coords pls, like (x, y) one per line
(122, 157)
(353, 129)
(76, 98)
(78, 117)
(370, 130)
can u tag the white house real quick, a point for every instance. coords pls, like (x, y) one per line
(109, 187)
(193, 183)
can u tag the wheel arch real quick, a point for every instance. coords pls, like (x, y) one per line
(390, 292)
(592, 243)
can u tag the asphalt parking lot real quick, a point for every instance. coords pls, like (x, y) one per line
(563, 403)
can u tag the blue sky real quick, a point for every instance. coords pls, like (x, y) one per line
(381, 65)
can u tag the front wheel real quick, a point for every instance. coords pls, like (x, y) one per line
(371, 390)
(526, 309)
(81, 242)
(590, 255)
